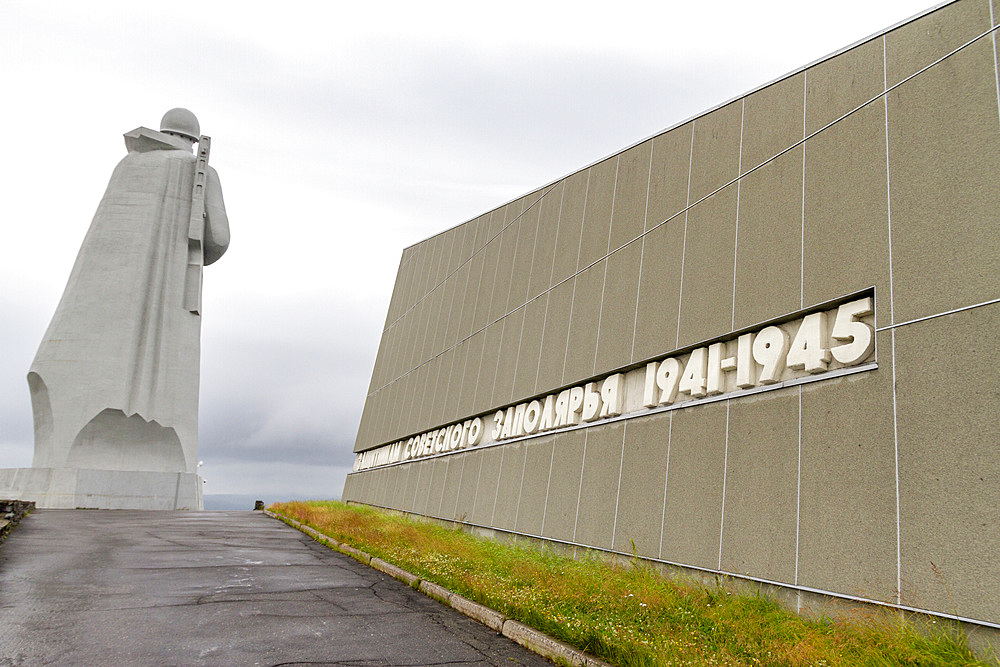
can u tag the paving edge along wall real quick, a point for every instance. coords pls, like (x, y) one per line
(760, 343)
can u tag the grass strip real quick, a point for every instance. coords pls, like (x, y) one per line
(628, 613)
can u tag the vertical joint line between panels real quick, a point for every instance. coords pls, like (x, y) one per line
(572, 299)
(548, 291)
(496, 496)
(802, 229)
(458, 495)
(579, 493)
(666, 478)
(520, 490)
(996, 65)
(725, 471)
(618, 493)
(687, 207)
(895, 439)
(736, 235)
(607, 260)
(548, 483)
(892, 320)
(888, 181)
(642, 249)
(798, 491)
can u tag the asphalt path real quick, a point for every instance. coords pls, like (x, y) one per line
(87, 587)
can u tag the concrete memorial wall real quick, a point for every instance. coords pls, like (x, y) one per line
(761, 343)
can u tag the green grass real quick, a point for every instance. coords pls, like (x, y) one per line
(628, 613)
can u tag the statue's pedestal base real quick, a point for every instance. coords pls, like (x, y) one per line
(71, 488)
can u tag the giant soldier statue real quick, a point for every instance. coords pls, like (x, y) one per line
(114, 386)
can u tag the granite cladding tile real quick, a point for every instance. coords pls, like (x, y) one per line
(568, 240)
(453, 402)
(410, 489)
(715, 151)
(534, 487)
(949, 434)
(554, 337)
(670, 171)
(439, 477)
(505, 267)
(489, 360)
(487, 285)
(471, 467)
(663, 244)
(584, 323)
(768, 280)
(847, 524)
(944, 150)
(599, 488)
(442, 412)
(447, 250)
(618, 310)
(846, 218)
(597, 212)
(563, 495)
(471, 296)
(510, 342)
(526, 370)
(843, 83)
(436, 315)
(919, 43)
(706, 301)
(471, 377)
(773, 120)
(631, 187)
(449, 491)
(759, 523)
(545, 241)
(512, 470)
(692, 518)
(487, 487)
(524, 254)
(641, 491)
(425, 482)
(417, 387)
(459, 303)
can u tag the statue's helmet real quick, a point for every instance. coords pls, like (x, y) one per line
(182, 122)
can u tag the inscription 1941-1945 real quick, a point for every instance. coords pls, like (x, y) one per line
(797, 350)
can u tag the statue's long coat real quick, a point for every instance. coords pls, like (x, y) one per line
(115, 382)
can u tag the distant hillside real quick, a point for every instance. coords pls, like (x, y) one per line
(241, 501)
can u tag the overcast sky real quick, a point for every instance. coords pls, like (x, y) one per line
(342, 133)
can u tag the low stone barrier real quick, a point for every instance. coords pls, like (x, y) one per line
(11, 512)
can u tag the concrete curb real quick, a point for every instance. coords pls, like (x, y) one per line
(533, 640)
(395, 572)
(488, 617)
(355, 553)
(542, 644)
(436, 591)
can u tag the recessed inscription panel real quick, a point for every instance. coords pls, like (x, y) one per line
(817, 343)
